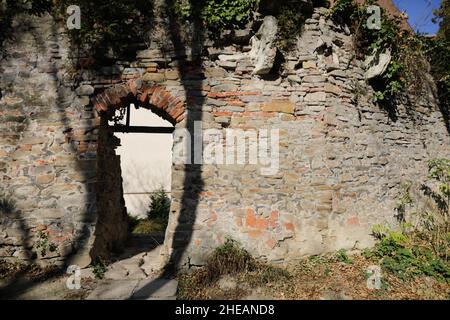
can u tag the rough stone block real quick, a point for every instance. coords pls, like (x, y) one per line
(283, 106)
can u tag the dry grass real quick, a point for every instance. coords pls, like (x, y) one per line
(33, 272)
(228, 260)
(315, 278)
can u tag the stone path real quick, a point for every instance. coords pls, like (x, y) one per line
(135, 274)
(148, 289)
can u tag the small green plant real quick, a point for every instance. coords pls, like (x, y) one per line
(436, 224)
(405, 200)
(229, 258)
(342, 256)
(43, 245)
(215, 15)
(368, 41)
(99, 268)
(401, 257)
(421, 248)
(233, 260)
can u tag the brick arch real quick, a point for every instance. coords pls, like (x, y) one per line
(148, 94)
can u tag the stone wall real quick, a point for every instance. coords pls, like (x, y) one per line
(341, 157)
(48, 152)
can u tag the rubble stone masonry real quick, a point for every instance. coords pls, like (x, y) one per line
(341, 156)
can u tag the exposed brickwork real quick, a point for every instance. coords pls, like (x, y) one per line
(148, 94)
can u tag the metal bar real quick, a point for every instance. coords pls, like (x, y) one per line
(139, 129)
(145, 192)
(128, 115)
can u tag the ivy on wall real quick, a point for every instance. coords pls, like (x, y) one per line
(438, 51)
(215, 15)
(412, 54)
(389, 36)
(109, 25)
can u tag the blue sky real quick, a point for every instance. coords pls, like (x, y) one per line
(420, 13)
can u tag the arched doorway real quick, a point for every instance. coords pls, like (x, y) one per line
(115, 104)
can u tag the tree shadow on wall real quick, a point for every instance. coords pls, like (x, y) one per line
(444, 106)
(43, 106)
(70, 117)
(190, 69)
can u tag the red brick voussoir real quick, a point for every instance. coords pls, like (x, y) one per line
(148, 94)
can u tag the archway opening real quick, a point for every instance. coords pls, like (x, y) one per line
(146, 160)
(124, 109)
(145, 155)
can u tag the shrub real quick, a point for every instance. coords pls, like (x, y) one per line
(160, 206)
(389, 37)
(43, 244)
(421, 248)
(99, 268)
(215, 15)
(404, 257)
(342, 256)
(146, 226)
(229, 259)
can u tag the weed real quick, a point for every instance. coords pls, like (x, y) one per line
(229, 259)
(403, 257)
(420, 249)
(342, 256)
(149, 226)
(99, 268)
(43, 245)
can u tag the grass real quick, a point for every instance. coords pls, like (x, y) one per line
(337, 275)
(157, 215)
(34, 272)
(146, 226)
(228, 260)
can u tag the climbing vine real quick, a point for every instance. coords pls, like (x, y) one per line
(109, 26)
(370, 41)
(291, 16)
(438, 51)
(216, 15)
